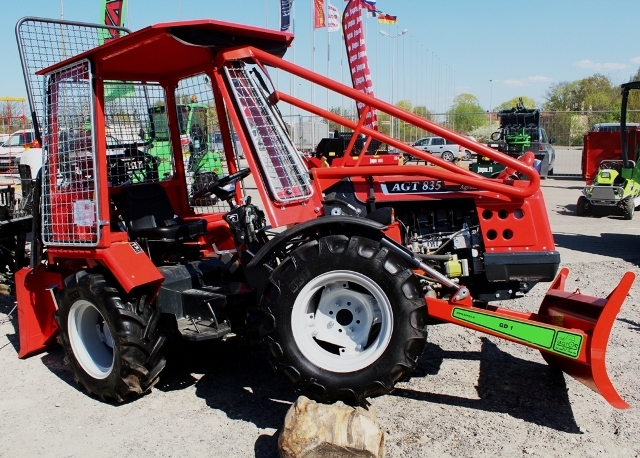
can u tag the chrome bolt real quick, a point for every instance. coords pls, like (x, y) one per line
(351, 329)
(358, 347)
(357, 310)
(330, 325)
(338, 304)
(314, 334)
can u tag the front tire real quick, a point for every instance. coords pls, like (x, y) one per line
(628, 208)
(582, 207)
(112, 345)
(347, 317)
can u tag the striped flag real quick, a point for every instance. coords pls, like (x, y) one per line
(370, 6)
(387, 19)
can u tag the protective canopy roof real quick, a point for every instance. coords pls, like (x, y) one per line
(174, 50)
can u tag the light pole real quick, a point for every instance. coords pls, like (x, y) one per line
(490, 108)
(382, 32)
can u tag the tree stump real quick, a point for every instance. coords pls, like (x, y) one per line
(313, 430)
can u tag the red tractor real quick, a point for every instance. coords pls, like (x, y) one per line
(368, 254)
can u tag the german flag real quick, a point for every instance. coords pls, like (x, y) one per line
(387, 19)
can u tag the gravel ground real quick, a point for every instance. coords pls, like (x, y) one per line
(471, 395)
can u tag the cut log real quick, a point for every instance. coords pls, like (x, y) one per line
(313, 430)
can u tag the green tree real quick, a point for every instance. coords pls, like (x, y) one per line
(580, 104)
(509, 104)
(415, 132)
(594, 93)
(466, 113)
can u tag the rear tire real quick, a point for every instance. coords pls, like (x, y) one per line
(582, 207)
(628, 208)
(112, 346)
(448, 156)
(347, 317)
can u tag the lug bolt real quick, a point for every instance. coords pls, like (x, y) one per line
(330, 325)
(338, 304)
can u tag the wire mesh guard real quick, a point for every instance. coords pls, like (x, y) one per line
(44, 42)
(202, 150)
(138, 148)
(69, 208)
(280, 162)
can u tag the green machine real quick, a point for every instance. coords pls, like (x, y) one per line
(513, 138)
(193, 120)
(616, 187)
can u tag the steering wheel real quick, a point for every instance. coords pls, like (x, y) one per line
(215, 187)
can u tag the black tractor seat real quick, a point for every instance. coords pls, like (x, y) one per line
(149, 215)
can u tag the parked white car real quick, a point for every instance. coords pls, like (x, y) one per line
(13, 147)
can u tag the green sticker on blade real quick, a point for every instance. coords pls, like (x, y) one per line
(537, 334)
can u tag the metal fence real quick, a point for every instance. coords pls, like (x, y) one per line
(567, 128)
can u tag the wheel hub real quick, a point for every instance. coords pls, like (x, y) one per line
(91, 339)
(344, 317)
(342, 321)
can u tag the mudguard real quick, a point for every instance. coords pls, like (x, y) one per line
(37, 328)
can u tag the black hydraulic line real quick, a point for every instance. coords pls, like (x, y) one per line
(415, 262)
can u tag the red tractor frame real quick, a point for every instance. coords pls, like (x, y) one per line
(369, 255)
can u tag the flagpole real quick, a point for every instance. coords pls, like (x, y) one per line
(328, 63)
(328, 52)
(341, 73)
(313, 67)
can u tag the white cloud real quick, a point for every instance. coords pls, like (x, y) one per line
(513, 83)
(589, 64)
(635, 60)
(539, 79)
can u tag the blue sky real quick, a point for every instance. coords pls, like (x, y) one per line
(450, 47)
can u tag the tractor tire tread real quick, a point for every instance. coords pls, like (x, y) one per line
(400, 357)
(137, 342)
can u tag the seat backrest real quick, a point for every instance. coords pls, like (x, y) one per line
(146, 206)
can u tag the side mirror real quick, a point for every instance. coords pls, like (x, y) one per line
(552, 140)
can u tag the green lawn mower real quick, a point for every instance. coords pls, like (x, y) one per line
(616, 188)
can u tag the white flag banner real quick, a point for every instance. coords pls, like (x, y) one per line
(333, 18)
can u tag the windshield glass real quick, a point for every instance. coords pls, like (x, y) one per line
(15, 140)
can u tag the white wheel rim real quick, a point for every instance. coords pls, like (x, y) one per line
(328, 310)
(91, 339)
